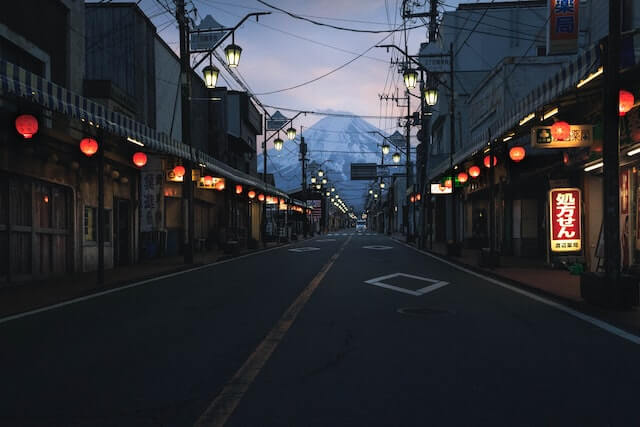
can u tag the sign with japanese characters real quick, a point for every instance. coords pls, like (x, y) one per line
(565, 219)
(563, 27)
(151, 200)
(579, 136)
(440, 189)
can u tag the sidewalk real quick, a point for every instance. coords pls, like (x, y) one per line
(533, 275)
(25, 296)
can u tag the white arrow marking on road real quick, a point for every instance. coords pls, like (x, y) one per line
(435, 284)
(305, 249)
(378, 247)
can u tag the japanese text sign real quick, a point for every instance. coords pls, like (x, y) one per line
(579, 136)
(563, 26)
(565, 219)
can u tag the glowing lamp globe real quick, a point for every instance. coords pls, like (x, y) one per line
(232, 53)
(418, 197)
(179, 171)
(210, 74)
(261, 197)
(278, 144)
(463, 177)
(320, 172)
(517, 154)
(385, 148)
(208, 180)
(313, 179)
(251, 194)
(487, 159)
(474, 171)
(27, 125)
(410, 78)
(220, 185)
(431, 96)
(448, 183)
(412, 199)
(626, 102)
(139, 159)
(396, 157)
(561, 131)
(291, 133)
(238, 189)
(89, 146)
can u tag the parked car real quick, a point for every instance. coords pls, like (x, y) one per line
(361, 226)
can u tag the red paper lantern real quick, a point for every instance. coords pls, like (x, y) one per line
(626, 102)
(27, 125)
(220, 185)
(517, 154)
(179, 171)
(89, 146)
(463, 177)
(261, 197)
(418, 197)
(208, 180)
(487, 160)
(474, 171)
(238, 189)
(139, 159)
(448, 183)
(251, 194)
(561, 131)
(413, 199)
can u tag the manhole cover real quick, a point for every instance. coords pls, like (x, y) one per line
(423, 311)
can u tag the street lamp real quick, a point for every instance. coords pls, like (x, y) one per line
(278, 143)
(318, 186)
(396, 157)
(385, 148)
(313, 179)
(324, 181)
(370, 191)
(291, 133)
(431, 95)
(410, 78)
(233, 52)
(382, 185)
(210, 76)
(320, 172)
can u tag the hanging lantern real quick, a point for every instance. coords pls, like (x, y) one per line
(382, 185)
(261, 197)
(410, 78)
(179, 171)
(320, 173)
(233, 52)
(324, 181)
(412, 199)
(220, 185)
(396, 157)
(27, 125)
(208, 180)
(238, 189)
(431, 96)
(318, 186)
(313, 179)
(278, 144)
(385, 148)
(210, 76)
(418, 197)
(474, 171)
(139, 159)
(626, 102)
(291, 133)
(251, 194)
(463, 177)
(448, 183)
(89, 146)
(487, 160)
(560, 131)
(517, 153)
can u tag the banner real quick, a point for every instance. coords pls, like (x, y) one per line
(563, 27)
(565, 217)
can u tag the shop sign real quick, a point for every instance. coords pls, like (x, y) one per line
(565, 219)
(563, 26)
(171, 177)
(151, 202)
(440, 189)
(580, 136)
(216, 183)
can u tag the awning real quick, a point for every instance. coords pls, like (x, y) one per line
(584, 63)
(17, 81)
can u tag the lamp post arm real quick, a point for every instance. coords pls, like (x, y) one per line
(412, 58)
(282, 127)
(210, 51)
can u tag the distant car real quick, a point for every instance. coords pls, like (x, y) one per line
(361, 226)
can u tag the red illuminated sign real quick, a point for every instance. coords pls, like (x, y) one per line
(565, 219)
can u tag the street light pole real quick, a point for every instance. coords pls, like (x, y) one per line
(452, 127)
(185, 73)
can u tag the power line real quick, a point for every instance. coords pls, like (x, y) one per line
(320, 113)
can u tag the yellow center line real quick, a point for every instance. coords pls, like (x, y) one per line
(226, 402)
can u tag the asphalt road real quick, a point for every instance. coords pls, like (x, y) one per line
(430, 345)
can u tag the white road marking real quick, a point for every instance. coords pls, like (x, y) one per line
(325, 240)
(575, 313)
(378, 247)
(131, 285)
(304, 249)
(435, 284)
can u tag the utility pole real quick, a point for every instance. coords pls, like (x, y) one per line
(101, 221)
(433, 20)
(185, 79)
(452, 132)
(264, 179)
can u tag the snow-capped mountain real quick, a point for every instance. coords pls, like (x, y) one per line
(333, 143)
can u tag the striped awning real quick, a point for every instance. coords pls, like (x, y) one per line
(17, 81)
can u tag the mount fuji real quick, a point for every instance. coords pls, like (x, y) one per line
(333, 143)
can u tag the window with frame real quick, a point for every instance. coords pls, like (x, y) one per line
(90, 224)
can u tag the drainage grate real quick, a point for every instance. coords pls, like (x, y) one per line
(423, 311)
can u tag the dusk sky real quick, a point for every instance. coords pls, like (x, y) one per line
(280, 51)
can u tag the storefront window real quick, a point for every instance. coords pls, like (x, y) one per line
(91, 222)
